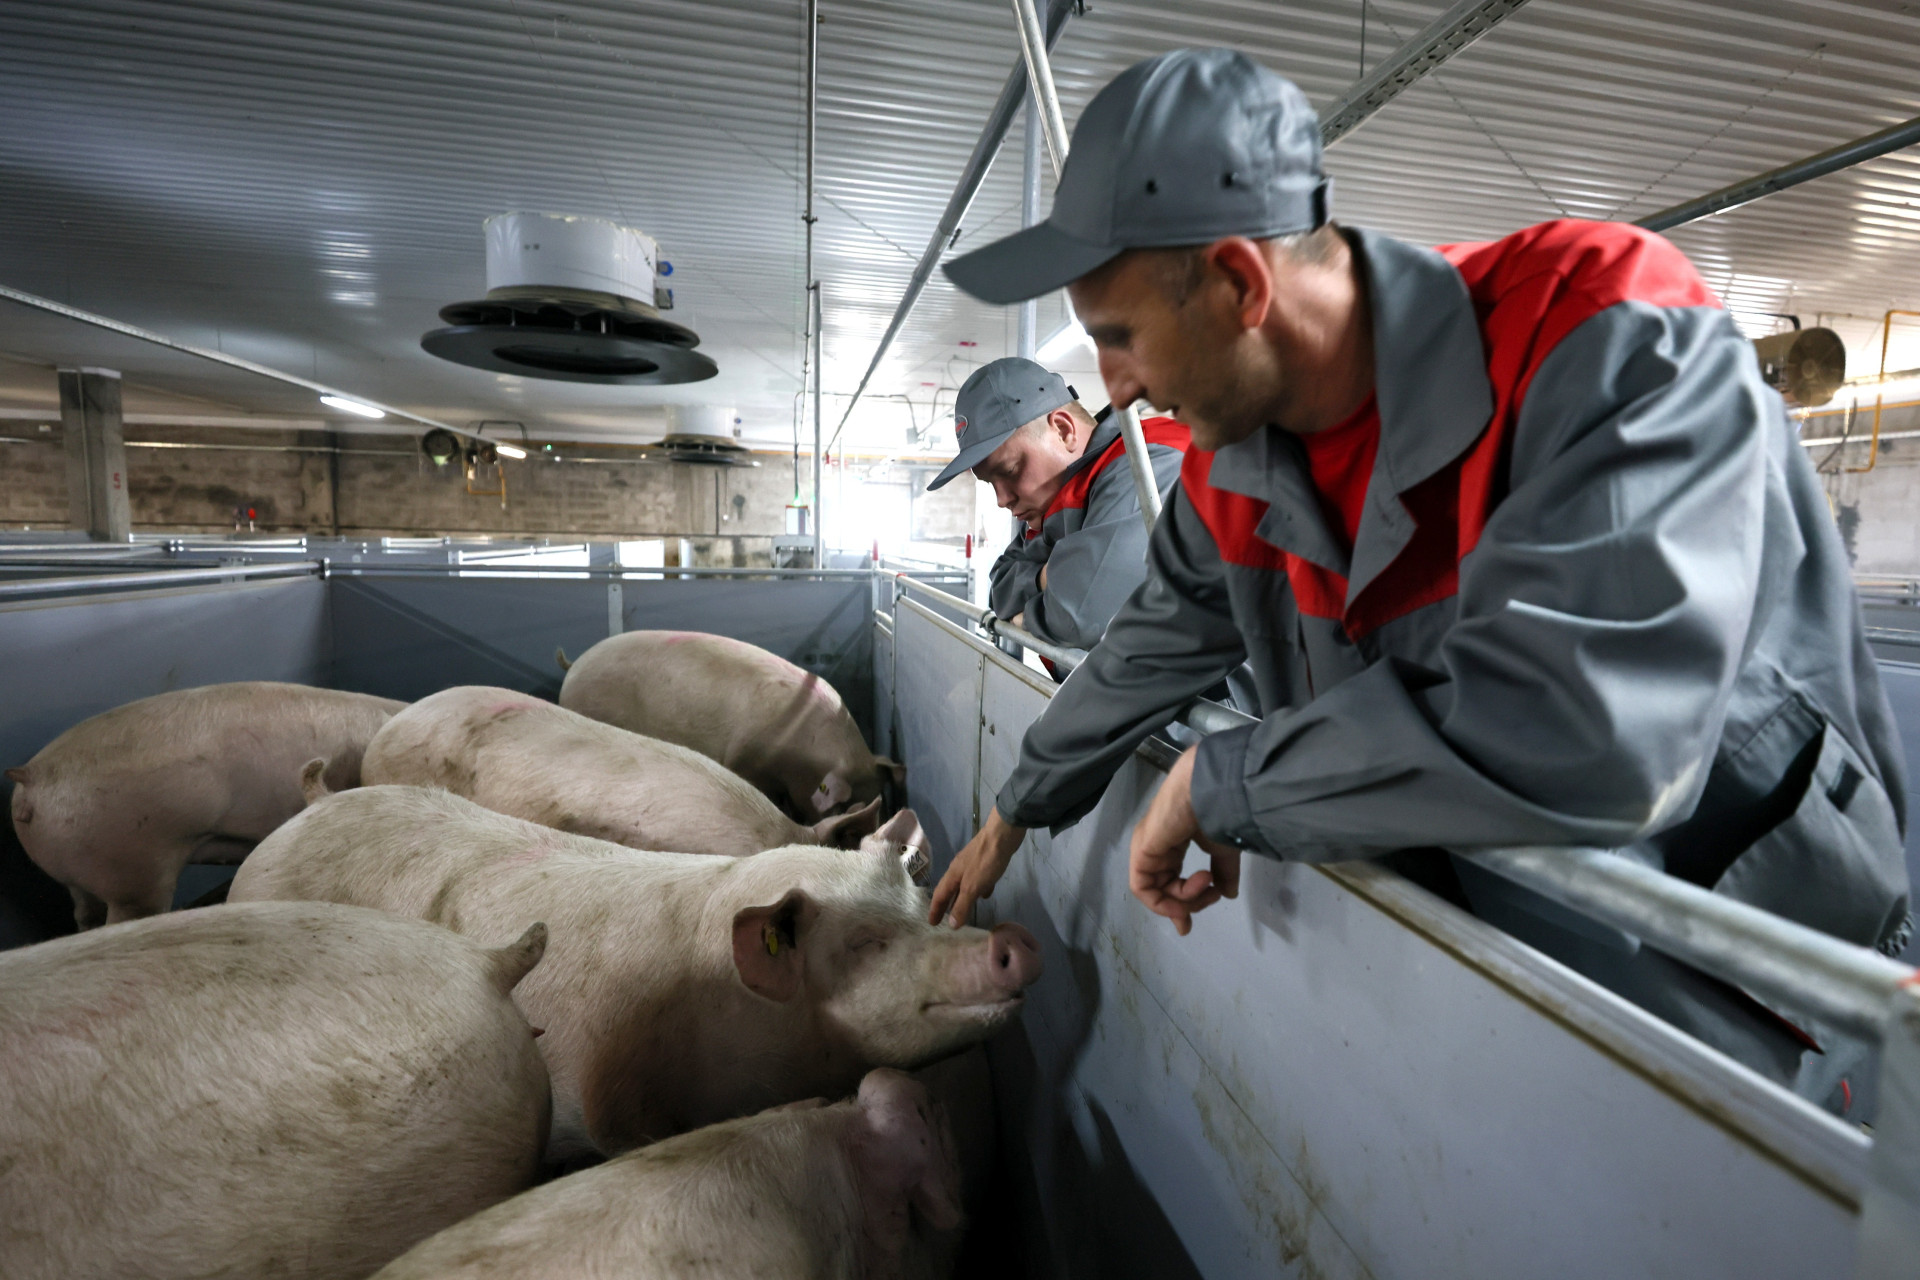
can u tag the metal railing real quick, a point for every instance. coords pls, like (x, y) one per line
(152, 578)
(1774, 959)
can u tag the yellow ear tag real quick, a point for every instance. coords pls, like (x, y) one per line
(773, 940)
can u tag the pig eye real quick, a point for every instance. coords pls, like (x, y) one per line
(867, 943)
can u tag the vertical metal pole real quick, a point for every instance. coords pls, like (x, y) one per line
(812, 358)
(1040, 77)
(819, 511)
(1145, 487)
(1033, 47)
(1029, 334)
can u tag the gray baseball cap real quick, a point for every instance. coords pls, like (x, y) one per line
(1181, 149)
(995, 401)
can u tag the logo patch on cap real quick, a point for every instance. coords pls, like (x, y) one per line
(959, 425)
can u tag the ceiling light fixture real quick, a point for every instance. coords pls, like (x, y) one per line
(352, 406)
(510, 450)
(1070, 335)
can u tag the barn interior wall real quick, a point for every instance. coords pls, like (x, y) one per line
(1875, 508)
(378, 485)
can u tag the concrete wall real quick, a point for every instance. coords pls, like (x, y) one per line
(1878, 510)
(298, 483)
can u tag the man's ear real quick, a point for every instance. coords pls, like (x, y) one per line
(1244, 270)
(766, 947)
(1064, 425)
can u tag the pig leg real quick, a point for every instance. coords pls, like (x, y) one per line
(89, 912)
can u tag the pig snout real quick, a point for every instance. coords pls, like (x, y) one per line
(1013, 958)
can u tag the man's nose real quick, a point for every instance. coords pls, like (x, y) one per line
(1124, 383)
(1002, 496)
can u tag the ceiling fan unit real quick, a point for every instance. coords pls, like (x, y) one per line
(573, 299)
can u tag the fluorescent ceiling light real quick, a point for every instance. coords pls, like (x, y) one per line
(352, 406)
(510, 450)
(1070, 335)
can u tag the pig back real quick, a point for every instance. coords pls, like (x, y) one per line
(517, 755)
(282, 1089)
(772, 722)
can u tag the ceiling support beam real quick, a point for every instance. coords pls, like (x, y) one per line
(1419, 57)
(1012, 94)
(218, 357)
(1747, 190)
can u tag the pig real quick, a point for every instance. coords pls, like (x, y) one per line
(679, 989)
(117, 805)
(517, 755)
(828, 1192)
(783, 729)
(281, 1089)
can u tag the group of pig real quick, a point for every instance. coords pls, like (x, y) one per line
(642, 935)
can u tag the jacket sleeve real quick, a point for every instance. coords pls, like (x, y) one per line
(1093, 570)
(1602, 619)
(1172, 640)
(1014, 581)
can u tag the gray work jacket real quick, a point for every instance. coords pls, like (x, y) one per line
(1596, 598)
(1091, 540)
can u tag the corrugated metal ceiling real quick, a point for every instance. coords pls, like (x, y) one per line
(303, 183)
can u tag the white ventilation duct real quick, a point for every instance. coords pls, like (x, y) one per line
(571, 298)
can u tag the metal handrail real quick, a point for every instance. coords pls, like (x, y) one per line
(1773, 959)
(159, 578)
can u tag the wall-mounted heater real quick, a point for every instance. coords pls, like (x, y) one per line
(1806, 366)
(571, 298)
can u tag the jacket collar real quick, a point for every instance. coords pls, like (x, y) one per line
(1430, 379)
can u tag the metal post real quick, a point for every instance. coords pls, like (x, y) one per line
(96, 454)
(1145, 487)
(1028, 343)
(811, 360)
(1033, 48)
(819, 509)
(998, 120)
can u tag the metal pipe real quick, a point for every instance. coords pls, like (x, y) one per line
(218, 357)
(1028, 343)
(810, 361)
(1145, 487)
(1033, 48)
(1438, 41)
(159, 578)
(819, 506)
(971, 175)
(1774, 959)
(1747, 190)
(1879, 399)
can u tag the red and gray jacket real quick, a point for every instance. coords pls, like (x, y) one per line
(1596, 598)
(1091, 540)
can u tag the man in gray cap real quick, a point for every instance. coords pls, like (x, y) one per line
(1519, 547)
(1063, 474)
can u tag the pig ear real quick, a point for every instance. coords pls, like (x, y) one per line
(17, 776)
(846, 830)
(766, 948)
(903, 1145)
(894, 767)
(902, 837)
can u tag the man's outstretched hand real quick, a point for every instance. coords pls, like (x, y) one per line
(975, 870)
(1160, 846)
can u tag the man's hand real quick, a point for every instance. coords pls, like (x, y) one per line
(975, 870)
(1160, 846)
(1043, 577)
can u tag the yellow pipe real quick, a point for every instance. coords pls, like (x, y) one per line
(1886, 337)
